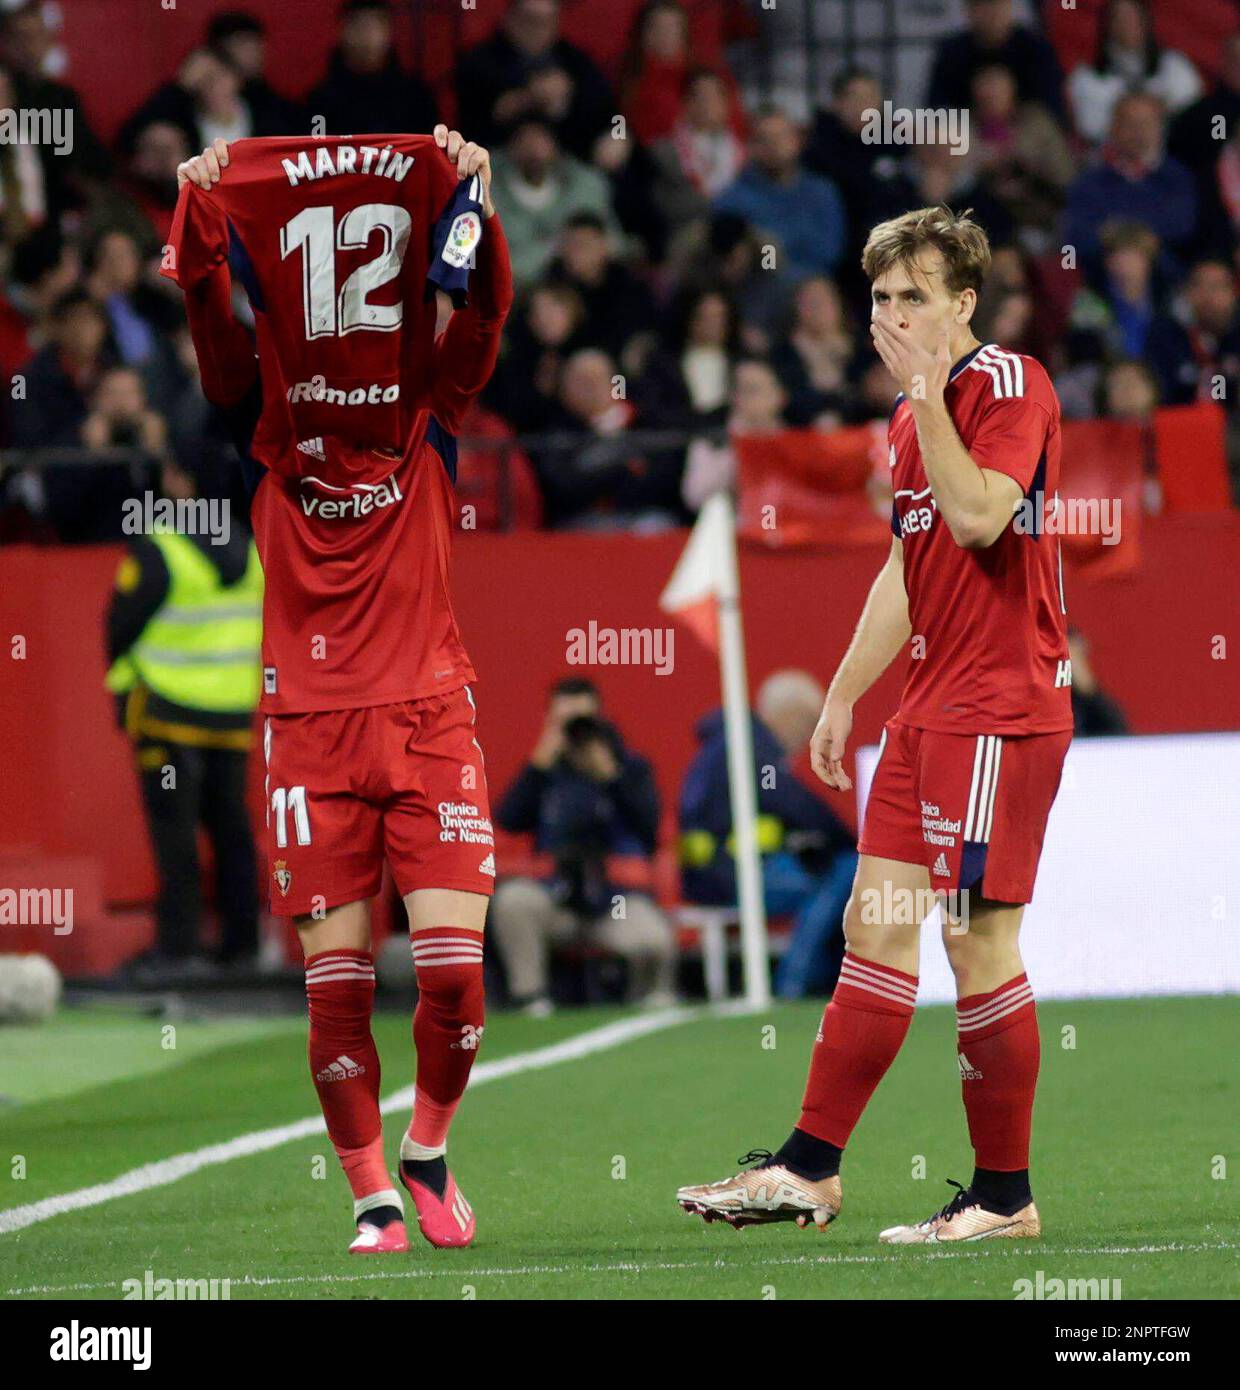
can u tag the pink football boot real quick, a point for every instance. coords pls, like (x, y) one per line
(391, 1239)
(446, 1221)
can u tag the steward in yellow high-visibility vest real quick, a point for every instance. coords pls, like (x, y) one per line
(184, 634)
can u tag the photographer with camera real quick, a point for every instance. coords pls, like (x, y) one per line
(592, 807)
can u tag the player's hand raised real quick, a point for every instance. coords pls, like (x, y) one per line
(827, 744)
(205, 168)
(922, 375)
(470, 159)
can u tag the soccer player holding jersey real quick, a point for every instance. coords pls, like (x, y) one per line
(345, 411)
(970, 763)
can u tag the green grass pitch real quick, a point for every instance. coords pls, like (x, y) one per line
(572, 1169)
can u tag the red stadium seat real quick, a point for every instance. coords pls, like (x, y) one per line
(1102, 460)
(806, 487)
(1190, 446)
(481, 482)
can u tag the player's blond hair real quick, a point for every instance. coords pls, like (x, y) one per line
(965, 248)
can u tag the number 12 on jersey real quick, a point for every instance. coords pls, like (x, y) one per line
(329, 314)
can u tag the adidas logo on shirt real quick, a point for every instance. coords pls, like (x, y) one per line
(940, 866)
(313, 447)
(340, 1070)
(488, 865)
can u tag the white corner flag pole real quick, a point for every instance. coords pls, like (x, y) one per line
(738, 730)
(704, 591)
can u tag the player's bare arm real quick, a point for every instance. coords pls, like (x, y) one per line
(882, 630)
(976, 503)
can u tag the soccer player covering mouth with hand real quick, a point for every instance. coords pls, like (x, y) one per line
(968, 766)
(345, 413)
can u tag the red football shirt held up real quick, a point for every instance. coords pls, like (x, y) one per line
(353, 511)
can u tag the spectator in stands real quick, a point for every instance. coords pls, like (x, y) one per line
(802, 213)
(527, 71)
(151, 177)
(1128, 59)
(1094, 712)
(1020, 153)
(1221, 233)
(545, 333)
(1135, 179)
(114, 280)
(993, 36)
(39, 271)
(869, 175)
(735, 262)
(24, 180)
(593, 809)
(1197, 356)
(814, 359)
(591, 474)
(656, 73)
(700, 156)
(204, 99)
(759, 400)
(199, 439)
(366, 90)
(121, 418)
(1198, 139)
(1129, 393)
(939, 176)
(1007, 319)
(241, 41)
(542, 190)
(83, 504)
(1119, 312)
(63, 376)
(27, 50)
(685, 384)
(808, 855)
(618, 306)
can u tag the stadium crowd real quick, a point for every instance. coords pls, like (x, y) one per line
(686, 254)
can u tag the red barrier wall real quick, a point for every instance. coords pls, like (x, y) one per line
(67, 788)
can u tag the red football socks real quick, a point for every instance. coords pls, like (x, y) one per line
(340, 987)
(447, 1029)
(862, 1029)
(999, 1051)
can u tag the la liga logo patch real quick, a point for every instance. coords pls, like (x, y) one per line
(462, 241)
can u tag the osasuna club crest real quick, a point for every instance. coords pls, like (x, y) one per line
(282, 876)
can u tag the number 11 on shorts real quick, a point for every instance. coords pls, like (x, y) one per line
(284, 799)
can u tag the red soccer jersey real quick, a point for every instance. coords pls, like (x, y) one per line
(337, 242)
(354, 539)
(994, 621)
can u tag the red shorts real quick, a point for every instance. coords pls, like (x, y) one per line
(971, 807)
(347, 788)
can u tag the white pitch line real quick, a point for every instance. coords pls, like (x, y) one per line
(170, 1170)
(466, 1274)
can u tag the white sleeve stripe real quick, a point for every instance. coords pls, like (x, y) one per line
(1009, 363)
